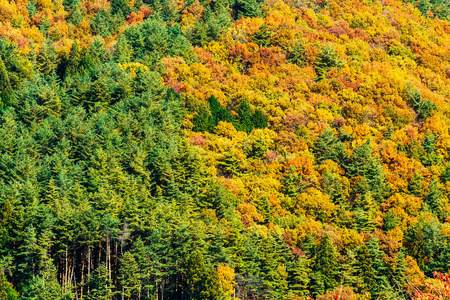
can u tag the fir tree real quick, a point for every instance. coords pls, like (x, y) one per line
(416, 186)
(245, 117)
(259, 120)
(365, 213)
(262, 37)
(6, 92)
(47, 59)
(435, 200)
(328, 59)
(129, 276)
(328, 146)
(326, 262)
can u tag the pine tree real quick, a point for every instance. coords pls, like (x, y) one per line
(218, 113)
(328, 146)
(6, 92)
(400, 269)
(130, 277)
(326, 262)
(7, 292)
(259, 120)
(292, 183)
(416, 186)
(201, 283)
(328, 59)
(435, 200)
(378, 266)
(121, 7)
(47, 59)
(365, 268)
(230, 164)
(245, 117)
(101, 286)
(333, 186)
(123, 50)
(365, 213)
(262, 37)
(300, 274)
(203, 121)
(297, 55)
(389, 132)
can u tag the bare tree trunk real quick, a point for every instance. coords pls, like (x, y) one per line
(66, 271)
(82, 273)
(108, 256)
(99, 253)
(89, 264)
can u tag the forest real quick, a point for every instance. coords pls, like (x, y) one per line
(224, 149)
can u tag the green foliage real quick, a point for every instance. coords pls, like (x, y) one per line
(248, 8)
(325, 263)
(423, 107)
(201, 282)
(47, 59)
(6, 93)
(262, 37)
(328, 59)
(328, 146)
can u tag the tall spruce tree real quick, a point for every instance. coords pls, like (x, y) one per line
(6, 92)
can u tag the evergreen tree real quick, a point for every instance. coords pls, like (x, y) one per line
(203, 121)
(121, 7)
(245, 117)
(129, 276)
(47, 59)
(326, 262)
(365, 213)
(230, 164)
(446, 173)
(328, 146)
(365, 268)
(6, 92)
(259, 120)
(434, 199)
(297, 55)
(415, 186)
(299, 278)
(123, 51)
(378, 266)
(262, 37)
(201, 282)
(100, 284)
(328, 59)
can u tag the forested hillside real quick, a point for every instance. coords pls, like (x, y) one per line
(224, 149)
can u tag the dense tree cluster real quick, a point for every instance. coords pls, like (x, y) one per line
(227, 149)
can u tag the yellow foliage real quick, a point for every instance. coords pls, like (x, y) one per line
(226, 279)
(133, 67)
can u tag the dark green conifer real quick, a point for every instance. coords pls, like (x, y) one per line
(6, 92)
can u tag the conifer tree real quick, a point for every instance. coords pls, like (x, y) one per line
(129, 276)
(328, 146)
(365, 267)
(47, 59)
(434, 199)
(6, 92)
(262, 37)
(201, 283)
(365, 213)
(259, 120)
(245, 117)
(328, 58)
(416, 186)
(300, 274)
(326, 262)
(378, 266)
